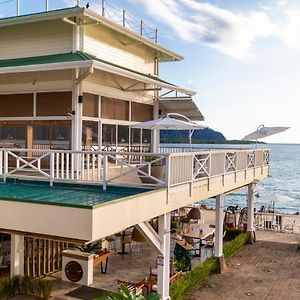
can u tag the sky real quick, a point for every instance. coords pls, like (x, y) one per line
(242, 57)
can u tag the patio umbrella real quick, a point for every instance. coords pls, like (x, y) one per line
(168, 122)
(275, 198)
(262, 132)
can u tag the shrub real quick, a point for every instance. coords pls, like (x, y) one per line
(232, 233)
(25, 285)
(236, 244)
(197, 276)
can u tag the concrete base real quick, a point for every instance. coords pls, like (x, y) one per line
(252, 237)
(221, 264)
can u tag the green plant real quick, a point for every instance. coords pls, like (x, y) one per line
(157, 160)
(174, 224)
(25, 285)
(183, 264)
(90, 248)
(199, 274)
(126, 294)
(236, 244)
(232, 233)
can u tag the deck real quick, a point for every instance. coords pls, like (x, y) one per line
(120, 189)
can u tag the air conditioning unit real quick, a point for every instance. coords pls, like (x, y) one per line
(77, 267)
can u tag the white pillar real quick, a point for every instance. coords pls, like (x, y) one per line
(163, 271)
(250, 210)
(17, 255)
(219, 226)
(218, 247)
(155, 133)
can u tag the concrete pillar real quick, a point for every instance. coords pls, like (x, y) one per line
(163, 267)
(17, 255)
(250, 211)
(218, 248)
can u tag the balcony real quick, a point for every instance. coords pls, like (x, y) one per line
(148, 170)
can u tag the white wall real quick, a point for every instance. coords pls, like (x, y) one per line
(35, 39)
(110, 46)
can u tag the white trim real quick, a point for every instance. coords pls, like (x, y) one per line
(44, 118)
(39, 87)
(47, 67)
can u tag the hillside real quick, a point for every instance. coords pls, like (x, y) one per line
(206, 135)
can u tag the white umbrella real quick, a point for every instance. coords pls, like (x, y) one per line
(166, 122)
(275, 198)
(262, 132)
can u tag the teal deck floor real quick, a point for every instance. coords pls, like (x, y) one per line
(74, 195)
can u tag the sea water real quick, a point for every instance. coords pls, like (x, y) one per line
(284, 177)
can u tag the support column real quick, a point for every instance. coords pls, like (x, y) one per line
(17, 255)
(155, 133)
(163, 268)
(218, 248)
(250, 212)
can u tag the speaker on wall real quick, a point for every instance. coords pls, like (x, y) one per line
(80, 99)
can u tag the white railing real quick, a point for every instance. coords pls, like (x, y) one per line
(129, 168)
(277, 222)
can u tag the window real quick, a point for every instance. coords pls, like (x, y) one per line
(108, 135)
(53, 104)
(114, 109)
(12, 136)
(16, 105)
(123, 135)
(90, 135)
(90, 105)
(141, 112)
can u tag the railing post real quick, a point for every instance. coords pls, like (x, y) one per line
(5, 165)
(51, 168)
(105, 163)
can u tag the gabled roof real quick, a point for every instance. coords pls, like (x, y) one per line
(87, 16)
(80, 60)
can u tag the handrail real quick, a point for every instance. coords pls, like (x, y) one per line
(107, 167)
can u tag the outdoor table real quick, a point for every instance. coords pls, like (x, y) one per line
(100, 258)
(199, 233)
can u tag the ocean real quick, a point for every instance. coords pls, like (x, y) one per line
(284, 177)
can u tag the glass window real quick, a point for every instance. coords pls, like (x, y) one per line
(114, 109)
(141, 112)
(17, 105)
(52, 136)
(12, 136)
(123, 135)
(90, 135)
(90, 105)
(146, 137)
(53, 104)
(108, 135)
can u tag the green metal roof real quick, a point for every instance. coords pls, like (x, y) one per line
(72, 195)
(66, 57)
(46, 59)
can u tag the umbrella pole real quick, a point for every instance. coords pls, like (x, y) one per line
(190, 138)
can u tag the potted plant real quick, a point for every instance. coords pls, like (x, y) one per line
(157, 166)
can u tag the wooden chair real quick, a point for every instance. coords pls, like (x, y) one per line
(136, 288)
(173, 278)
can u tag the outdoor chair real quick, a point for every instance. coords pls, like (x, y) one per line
(173, 278)
(195, 246)
(136, 288)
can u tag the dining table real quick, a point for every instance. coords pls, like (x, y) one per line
(199, 232)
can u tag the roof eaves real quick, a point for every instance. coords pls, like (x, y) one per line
(130, 33)
(42, 16)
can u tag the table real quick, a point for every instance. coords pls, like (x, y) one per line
(199, 233)
(100, 258)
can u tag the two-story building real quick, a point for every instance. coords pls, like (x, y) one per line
(71, 83)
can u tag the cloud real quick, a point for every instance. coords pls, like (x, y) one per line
(231, 33)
